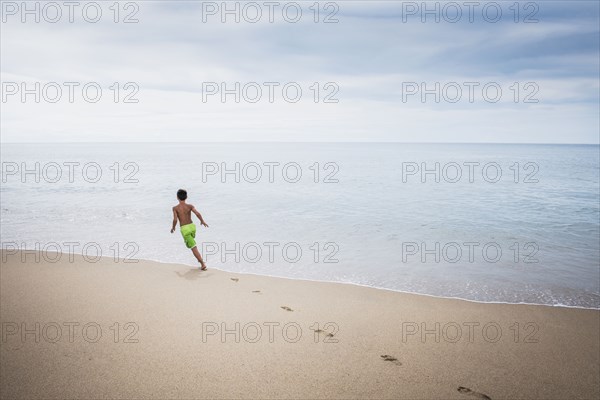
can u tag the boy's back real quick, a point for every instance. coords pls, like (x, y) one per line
(184, 213)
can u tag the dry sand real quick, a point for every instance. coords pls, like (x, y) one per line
(168, 346)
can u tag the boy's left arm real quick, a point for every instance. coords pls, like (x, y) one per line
(199, 217)
(174, 221)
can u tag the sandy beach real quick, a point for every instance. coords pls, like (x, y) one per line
(109, 329)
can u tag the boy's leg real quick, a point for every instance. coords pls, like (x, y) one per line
(198, 256)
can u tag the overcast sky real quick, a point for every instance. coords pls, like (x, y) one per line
(374, 58)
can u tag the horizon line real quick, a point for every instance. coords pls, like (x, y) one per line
(304, 141)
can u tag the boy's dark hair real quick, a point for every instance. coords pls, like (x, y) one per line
(181, 194)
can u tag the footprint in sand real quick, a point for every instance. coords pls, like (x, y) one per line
(322, 331)
(234, 279)
(256, 291)
(286, 308)
(481, 396)
(391, 359)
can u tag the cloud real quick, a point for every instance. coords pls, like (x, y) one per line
(369, 54)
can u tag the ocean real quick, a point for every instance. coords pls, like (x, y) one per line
(482, 222)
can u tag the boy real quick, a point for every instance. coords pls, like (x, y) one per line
(183, 212)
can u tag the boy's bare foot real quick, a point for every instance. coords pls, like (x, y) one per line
(203, 267)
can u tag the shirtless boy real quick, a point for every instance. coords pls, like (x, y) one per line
(183, 212)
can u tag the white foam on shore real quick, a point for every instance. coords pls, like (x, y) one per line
(380, 288)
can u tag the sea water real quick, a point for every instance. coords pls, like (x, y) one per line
(483, 222)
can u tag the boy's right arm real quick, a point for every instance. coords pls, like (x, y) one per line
(174, 220)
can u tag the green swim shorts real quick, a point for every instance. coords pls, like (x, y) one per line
(189, 233)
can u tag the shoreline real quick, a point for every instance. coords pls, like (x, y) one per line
(391, 290)
(195, 336)
(356, 284)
